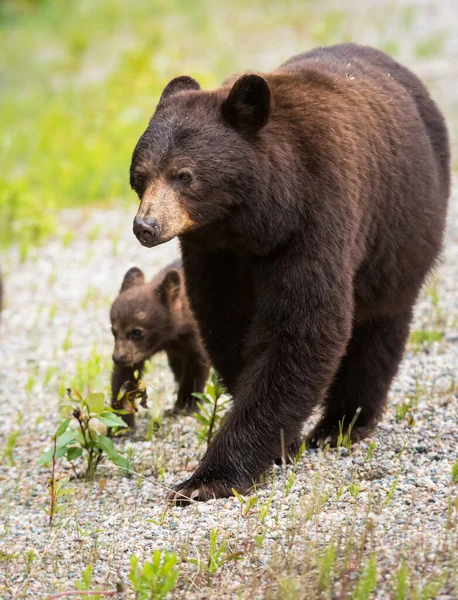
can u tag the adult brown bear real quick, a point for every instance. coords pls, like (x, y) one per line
(310, 204)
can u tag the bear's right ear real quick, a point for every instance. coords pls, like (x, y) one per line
(179, 84)
(134, 276)
(169, 288)
(247, 108)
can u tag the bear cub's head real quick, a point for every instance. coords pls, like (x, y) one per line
(200, 157)
(144, 315)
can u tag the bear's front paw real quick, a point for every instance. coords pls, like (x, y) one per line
(195, 490)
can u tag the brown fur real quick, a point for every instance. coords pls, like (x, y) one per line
(315, 207)
(159, 313)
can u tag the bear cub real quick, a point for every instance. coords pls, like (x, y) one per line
(147, 318)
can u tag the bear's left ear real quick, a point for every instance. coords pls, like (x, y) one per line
(134, 276)
(179, 84)
(169, 288)
(247, 107)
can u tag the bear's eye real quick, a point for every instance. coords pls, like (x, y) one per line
(138, 182)
(184, 177)
(136, 335)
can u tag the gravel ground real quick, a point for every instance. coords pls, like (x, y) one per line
(399, 505)
(106, 521)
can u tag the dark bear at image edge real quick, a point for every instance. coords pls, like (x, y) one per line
(150, 317)
(310, 205)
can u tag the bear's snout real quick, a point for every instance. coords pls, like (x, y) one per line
(119, 359)
(147, 231)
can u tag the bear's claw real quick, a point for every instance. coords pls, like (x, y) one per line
(325, 434)
(191, 491)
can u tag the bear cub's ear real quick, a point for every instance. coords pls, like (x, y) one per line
(134, 276)
(179, 84)
(247, 108)
(169, 288)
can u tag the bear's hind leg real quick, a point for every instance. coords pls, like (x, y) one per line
(358, 393)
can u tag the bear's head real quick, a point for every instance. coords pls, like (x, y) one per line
(201, 157)
(143, 316)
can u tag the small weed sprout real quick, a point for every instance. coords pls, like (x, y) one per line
(354, 489)
(155, 578)
(57, 487)
(218, 554)
(212, 406)
(246, 504)
(264, 508)
(86, 577)
(91, 415)
(8, 448)
(370, 451)
(455, 471)
(390, 492)
(401, 582)
(326, 566)
(344, 437)
(367, 581)
(290, 481)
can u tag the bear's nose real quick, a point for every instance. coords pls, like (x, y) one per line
(147, 231)
(119, 359)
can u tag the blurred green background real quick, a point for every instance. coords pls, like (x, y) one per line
(80, 78)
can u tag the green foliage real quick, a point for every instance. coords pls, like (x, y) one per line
(212, 407)
(70, 125)
(90, 415)
(155, 578)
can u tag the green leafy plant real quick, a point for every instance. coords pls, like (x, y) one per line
(156, 577)
(212, 405)
(90, 415)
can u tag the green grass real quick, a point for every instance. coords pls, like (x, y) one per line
(424, 337)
